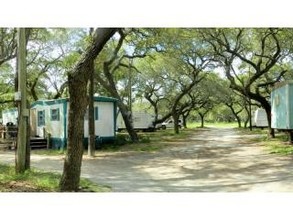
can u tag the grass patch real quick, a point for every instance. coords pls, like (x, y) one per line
(37, 181)
(148, 141)
(253, 131)
(214, 124)
(281, 149)
(49, 152)
(279, 144)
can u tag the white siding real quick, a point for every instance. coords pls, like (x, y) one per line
(260, 118)
(9, 116)
(55, 128)
(104, 126)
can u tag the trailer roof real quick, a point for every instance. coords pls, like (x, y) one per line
(62, 100)
(281, 84)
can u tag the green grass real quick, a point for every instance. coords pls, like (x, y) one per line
(37, 181)
(148, 141)
(213, 124)
(257, 131)
(279, 144)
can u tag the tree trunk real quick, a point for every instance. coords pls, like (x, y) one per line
(91, 119)
(184, 124)
(77, 108)
(247, 119)
(267, 107)
(202, 119)
(176, 123)
(238, 121)
(235, 113)
(271, 131)
(290, 136)
(110, 86)
(77, 84)
(127, 118)
(246, 123)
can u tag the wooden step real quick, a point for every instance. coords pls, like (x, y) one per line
(38, 143)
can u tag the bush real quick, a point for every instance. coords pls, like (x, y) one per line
(144, 139)
(121, 139)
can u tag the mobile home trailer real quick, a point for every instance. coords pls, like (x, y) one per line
(10, 116)
(282, 106)
(50, 117)
(260, 118)
(140, 120)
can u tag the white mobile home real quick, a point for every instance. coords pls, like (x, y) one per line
(140, 120)
(9, 116)
(260, 118)
(51, 116)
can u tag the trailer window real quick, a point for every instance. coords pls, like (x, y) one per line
(55, 115)
(96, 113)
(41, 118)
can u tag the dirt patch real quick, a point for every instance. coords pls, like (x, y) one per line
(19, 186)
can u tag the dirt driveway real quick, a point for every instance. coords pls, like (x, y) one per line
(214, 160)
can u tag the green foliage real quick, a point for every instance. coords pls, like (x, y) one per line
(121, 139)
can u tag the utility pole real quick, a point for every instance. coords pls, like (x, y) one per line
(23, 112)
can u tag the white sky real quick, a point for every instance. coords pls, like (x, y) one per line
(150, 13)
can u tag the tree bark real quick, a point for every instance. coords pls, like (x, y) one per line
(235, 114)
(267, 107)
(184, 120)
(91, 119)
(176, 123)
(238, 121)
(202, 119)
(128, 122)
(77, 84)
(271, 131)
(111, 88)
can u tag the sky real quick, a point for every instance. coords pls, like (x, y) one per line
(151, 13)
